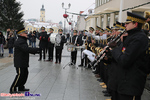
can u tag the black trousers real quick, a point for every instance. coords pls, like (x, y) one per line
(73, 56)
(20, 79)
(58, 54)
(50, 53)
(82, 59)
(44, 51)
(128, 97)
(85, 60)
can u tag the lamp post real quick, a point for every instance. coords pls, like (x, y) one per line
(65, 15)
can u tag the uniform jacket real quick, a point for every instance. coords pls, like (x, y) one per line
(50, 44)
(21, 52)
(74, 39)
(43, 39)
(61, 45)
(131, 61)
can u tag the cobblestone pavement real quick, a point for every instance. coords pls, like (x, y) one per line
(53, 82)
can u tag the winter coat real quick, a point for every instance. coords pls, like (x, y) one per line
(11, 41)
(21, 52)
(43, 37)
(131, 61)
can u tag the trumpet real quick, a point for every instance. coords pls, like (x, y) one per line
(101, 52)
(93, 49)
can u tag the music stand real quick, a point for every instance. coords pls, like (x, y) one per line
(70, 48)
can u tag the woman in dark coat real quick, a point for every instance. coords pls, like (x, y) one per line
(2, 42)
(33, 39)
(11, 41)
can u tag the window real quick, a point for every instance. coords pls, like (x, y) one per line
(108, 19)
(42, 19)
(102, 21)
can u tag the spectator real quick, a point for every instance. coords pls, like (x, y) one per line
(33, 39)
(2, 42)
(29, 37)
(11, 40)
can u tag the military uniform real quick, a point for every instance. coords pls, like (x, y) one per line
(43, 37)
(21, 62)
(131, 61)
(50, 47)
(74, 40)
(59, 47)
(83, 38)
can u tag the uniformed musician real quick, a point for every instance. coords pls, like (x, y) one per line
(74, 41)
(59, 47)
(50, 47)
(43, 37)
(84, 40)
(132, 59)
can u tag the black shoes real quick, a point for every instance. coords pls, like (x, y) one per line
(107, 94)
(24, 89)
(14, 92)
(100, 80)
(80, 65)
(39, 59)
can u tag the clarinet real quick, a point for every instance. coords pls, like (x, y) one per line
(101, 56)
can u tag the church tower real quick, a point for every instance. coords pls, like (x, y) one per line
(42, 14)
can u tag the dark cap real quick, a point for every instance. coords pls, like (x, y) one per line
(75, 31)
(120, 25)
(147, 14)
(132, 17)
(98, 28)
(85, 31)
(51, 29)
(42, 28)
(21, 30)
(91, 28)
(60, 30)
(108, 28)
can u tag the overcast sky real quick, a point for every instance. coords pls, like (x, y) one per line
(53, 8)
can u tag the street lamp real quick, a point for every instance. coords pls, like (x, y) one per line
(65, 15)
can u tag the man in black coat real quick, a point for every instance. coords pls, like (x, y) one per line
(74, 41)
(21, 61)
(50, 47)
(43, 37)
(132, 59)
(59, 47)
(83, 38)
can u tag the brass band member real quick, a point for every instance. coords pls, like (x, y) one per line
(50, 47)
(75, 41)
(43, 43)
(83, 39)
(88, 41)
(59, 47)
(132, 60)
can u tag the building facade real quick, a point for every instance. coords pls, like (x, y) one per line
(42, 14)
(33, 24)
(107, 11)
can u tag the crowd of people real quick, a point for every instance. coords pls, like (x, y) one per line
(121, 54)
